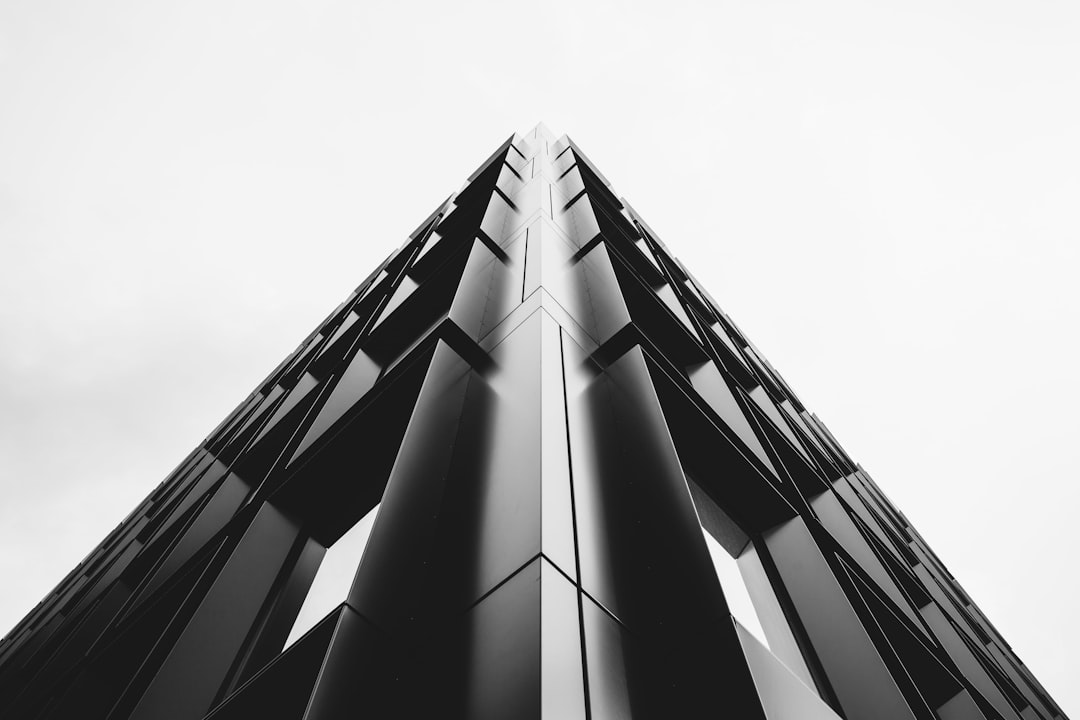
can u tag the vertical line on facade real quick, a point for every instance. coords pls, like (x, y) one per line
(525, 268)
(573, 522)
(322, 668)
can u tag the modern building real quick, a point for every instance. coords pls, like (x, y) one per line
(528, 469)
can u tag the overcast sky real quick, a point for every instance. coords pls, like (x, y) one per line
(885, 197)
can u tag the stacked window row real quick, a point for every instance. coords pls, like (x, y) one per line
(95, 642)
(707, 372)
(766, 478)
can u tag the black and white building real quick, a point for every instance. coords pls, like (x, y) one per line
(528, 469)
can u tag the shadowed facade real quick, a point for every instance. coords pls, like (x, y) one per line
(503, 479)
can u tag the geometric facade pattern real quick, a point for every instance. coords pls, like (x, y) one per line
(528, 469)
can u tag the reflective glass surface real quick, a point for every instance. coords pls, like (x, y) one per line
(783, 695)
(354, 382)
(862, 683)
(221, 624)
(712, 387)
(759, 396)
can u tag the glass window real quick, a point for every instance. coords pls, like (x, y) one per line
(672, 301)
(350, 319)
(759, 396)
(404, 290)
(783, 695)
(431, 242)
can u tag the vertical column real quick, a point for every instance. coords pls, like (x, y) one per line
(857, 673)
(193, 672)
(472, 555)
(658, 635)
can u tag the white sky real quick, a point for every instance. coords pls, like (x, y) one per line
(883, 195)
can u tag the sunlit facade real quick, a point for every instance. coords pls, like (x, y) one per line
(528, 469)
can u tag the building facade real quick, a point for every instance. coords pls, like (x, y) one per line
(528, 469)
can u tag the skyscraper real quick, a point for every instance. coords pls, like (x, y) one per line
(527, 469)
